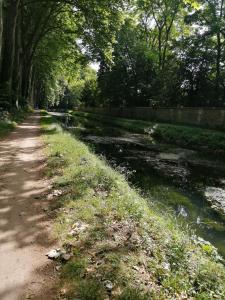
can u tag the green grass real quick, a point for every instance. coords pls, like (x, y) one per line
(11, 121)
(6, 127)
(142, 252)
(184, 136)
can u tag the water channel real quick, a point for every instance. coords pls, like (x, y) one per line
(171, 184)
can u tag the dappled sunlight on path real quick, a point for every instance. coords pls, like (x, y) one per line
(24, 224)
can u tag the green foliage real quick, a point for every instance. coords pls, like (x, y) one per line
(9, 122)
(6, 127)
(190, 137)
(129, 81)
(132, 294)
(74, 269)
(90, 92)
(90, 290)
(150, 53)
(166, 53)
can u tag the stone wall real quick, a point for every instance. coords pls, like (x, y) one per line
(204, 117)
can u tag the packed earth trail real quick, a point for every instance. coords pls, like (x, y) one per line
(25, 225)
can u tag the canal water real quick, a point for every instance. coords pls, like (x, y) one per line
(171, 185)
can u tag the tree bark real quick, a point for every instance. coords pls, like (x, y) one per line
(219, 51)
(17, 69)
(1, 29)
(8, 52)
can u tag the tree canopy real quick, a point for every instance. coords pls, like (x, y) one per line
(150, 53)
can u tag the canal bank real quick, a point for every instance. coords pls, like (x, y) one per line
(175, 180)
(117, 240)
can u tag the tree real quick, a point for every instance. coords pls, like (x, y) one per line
(27, 26)
(1, 28)
(8, 50)
(159, 52)
(158, 17)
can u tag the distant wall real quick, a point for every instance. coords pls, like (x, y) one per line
(204, 117)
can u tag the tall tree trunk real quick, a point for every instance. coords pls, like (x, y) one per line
(8, 51)
(1, 29)
(26, 79)
(17, 69)
(32, 88)
(219, 51)
(30, 85)
(218, 59)
(160, 48)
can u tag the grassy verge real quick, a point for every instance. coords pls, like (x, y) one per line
(121, 248)
(5, 127)
(10, 122)
(184, 136)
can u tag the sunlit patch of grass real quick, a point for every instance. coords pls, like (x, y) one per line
(141, 252)
(75, 268)
(11, 121)
(91, 290)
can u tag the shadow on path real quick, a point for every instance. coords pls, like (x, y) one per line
(25, 226)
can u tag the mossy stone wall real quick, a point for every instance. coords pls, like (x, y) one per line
(204, 117)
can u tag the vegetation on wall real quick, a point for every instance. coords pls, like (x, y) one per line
(205, 140)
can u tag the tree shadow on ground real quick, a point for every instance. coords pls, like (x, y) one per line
(25, 226)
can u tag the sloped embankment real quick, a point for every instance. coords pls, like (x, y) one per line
(120, 247)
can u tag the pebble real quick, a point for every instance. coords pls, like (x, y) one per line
(136, 268)
(108, 285)
(66, 256)
(54, 254)
(166, 266)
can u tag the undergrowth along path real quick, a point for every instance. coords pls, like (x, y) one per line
(25, 227)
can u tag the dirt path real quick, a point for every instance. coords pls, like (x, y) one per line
(25, 272)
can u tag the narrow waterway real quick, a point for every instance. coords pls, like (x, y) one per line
(171, 184)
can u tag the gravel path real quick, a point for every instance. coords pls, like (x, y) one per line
(25, 272)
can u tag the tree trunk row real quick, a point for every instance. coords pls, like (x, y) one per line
(21, 29)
